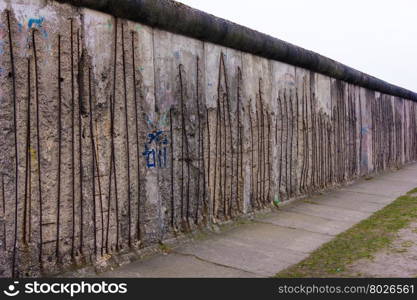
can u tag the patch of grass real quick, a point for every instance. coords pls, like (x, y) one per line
(164, 248)
(361, 241)
(413, 191)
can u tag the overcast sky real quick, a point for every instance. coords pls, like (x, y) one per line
(378, 37)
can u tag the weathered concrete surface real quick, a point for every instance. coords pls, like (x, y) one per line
(117, 136)
(276, 241)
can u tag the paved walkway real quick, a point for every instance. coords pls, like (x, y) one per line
(280, 239)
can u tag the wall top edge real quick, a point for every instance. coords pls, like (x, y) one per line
(181, 19)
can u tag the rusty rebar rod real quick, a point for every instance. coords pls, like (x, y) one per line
(14, 99)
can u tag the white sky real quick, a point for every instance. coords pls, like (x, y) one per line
(378, 37)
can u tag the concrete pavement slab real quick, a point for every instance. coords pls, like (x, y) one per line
(382, 186)
(243, 255)
(175, 265)
(351, 201)
(354, 197)
(307, 222)
(259, 248)
(328, 212)
(411, 166)
(405, 175)
(272, 237)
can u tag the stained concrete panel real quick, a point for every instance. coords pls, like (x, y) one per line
(323, 90)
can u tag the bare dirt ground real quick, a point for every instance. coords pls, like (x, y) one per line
(397, 260)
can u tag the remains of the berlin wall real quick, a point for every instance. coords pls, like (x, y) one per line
(116, 135)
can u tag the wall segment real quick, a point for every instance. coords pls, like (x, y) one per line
(117, 135)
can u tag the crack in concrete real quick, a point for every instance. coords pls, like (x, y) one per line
(215, 263)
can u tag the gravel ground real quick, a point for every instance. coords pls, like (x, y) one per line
(398, 260)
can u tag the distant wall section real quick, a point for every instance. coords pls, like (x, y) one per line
(116, 135)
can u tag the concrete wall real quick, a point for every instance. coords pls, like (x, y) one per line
(116, 135)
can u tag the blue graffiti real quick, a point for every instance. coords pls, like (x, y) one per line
(162, 122)
(149, 121)
(156, 152)
(37, 22)
(155, 158)
(157, 137)
(364, 130)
